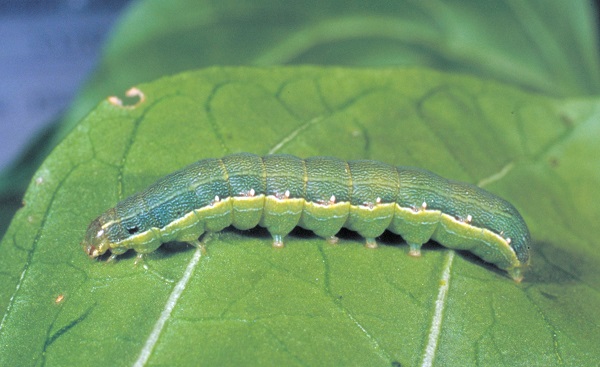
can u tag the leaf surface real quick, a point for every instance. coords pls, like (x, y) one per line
(311, 303)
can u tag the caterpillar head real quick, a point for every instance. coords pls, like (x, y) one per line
(96, 240)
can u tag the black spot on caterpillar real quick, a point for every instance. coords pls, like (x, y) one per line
(321, 194)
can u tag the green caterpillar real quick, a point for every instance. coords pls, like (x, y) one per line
(321, 194)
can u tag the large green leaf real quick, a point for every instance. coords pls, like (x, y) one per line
(311, 303)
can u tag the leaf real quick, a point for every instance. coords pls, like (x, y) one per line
(545, 45)
(311, 303)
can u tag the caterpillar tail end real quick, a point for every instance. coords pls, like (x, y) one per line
(516, 274)
(518, 270)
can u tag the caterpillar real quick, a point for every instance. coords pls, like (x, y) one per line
(321, 194)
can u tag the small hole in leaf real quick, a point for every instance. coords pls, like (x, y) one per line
(133, 98)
